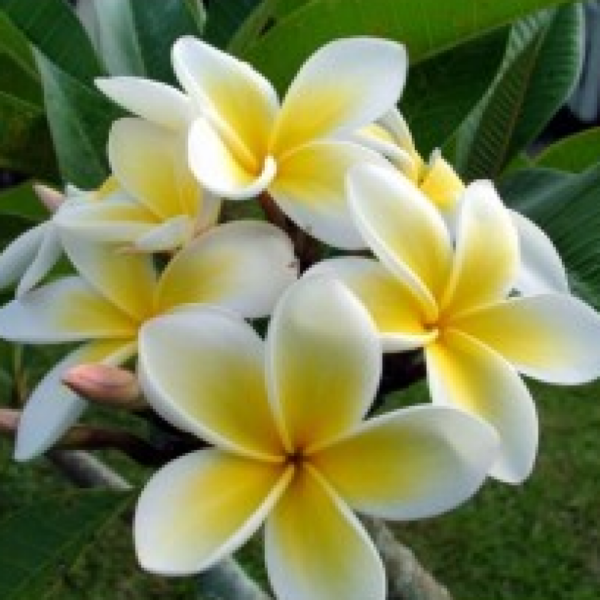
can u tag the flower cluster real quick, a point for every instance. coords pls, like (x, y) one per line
(164, 274)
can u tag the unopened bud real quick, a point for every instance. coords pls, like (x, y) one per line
(9, 421)
(105, 384)
(49, 197)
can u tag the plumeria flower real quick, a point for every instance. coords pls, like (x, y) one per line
(453, 299)
(32, 255)
(246, 141)
(290, 445)
(161, 206)
(243, 266)
(541, 267)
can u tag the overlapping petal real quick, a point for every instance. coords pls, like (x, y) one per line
(202, 507)
(323, 362)
(241, 265)
(410, 464)
(442, 185)
(52, 408)
(204, 372)
(552, 337)
(369, 77)
(310, 189)
(463, 372)
(316, 548)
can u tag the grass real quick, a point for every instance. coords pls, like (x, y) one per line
(539, 541)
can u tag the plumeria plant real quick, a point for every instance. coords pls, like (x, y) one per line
(254, 257)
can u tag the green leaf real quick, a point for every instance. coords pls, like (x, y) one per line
(53, 27)
(575, 153)
(567, 207)
(427, 27)
(223, 19)
(542, 63)
(441, 91)
(22, 201)
(80, 118)
(44, 539)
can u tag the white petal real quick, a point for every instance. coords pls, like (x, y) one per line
(541, 268)
(201, 507)
(169, 235)
(463, 372)
(323, 362)
(151, 100)
(344, 85)
(52, 407)
(18, 255)
(243, 265)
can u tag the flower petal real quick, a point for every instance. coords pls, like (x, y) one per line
(552, 337)
(441, 184)
(316, 548)
(171, 234)
(52, 408)
(127, 280)
(243, 265)
(464, 373)
(204, 372)
(201, 507)
(541, 269)
(313, 195)
(487, 251)
(323, 362)
(220, 171)
(147, 161)
(152, 100)
(392, 306)
(64, 310)
(369, 77)
(403, 229)
(412, 463)
(235, 98)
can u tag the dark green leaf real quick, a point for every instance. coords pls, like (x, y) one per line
(22, 201)
(575, 153)
(567, 207)
(80, 118)
(223, 19)
(44, 539)
(53, 27)
(542, 63)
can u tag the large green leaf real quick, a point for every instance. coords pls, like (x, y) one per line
(542, 63)
(441, 91)
(575, 153)
(52, 26)
(80, 118)
(427, 27)
(46, 537)
(567, 207)
(224, 18)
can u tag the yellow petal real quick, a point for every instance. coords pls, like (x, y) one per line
(202, 507)
(323, 362)
(442, 185)
(317, 549)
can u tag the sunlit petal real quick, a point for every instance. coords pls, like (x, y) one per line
(52, 407)
(441, 184)
(151, 100)
(412, 463)
(316, 548)
(202, 507)
(541, 268)
(392, 305)
(464, 373)
(323, 362)
(171, 234)
(204, 371)
(18, 254)
(487, 251)
(219, 169)
(344, 85)
(403, 228)
(310, 189)
(243, 265)
(65, 310)
(552, 337)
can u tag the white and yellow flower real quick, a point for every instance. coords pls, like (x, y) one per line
(160, 205)
(541, 269)
(243, 266)
(453, 299)
(246, 142)
(290, 447)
